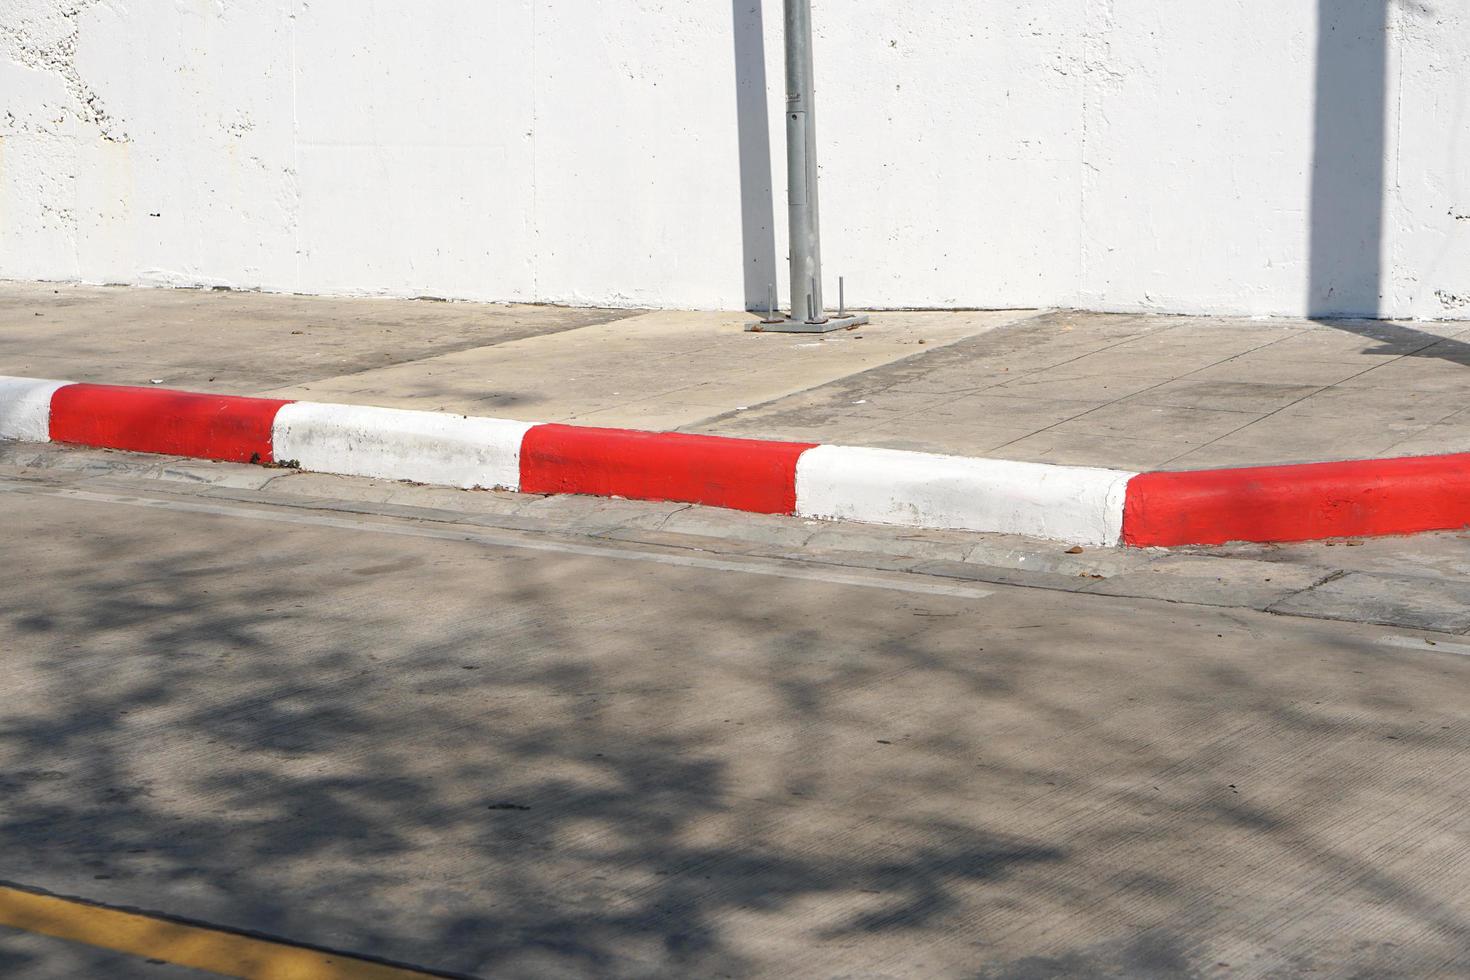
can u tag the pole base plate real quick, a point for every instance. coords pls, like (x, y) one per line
(788, 325)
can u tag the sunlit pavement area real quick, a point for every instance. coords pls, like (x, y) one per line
(1134, 392)
(478, 734)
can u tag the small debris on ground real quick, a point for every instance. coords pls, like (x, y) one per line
(1076, 549)
(280, 464)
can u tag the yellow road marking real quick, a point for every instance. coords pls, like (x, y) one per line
(215, 950)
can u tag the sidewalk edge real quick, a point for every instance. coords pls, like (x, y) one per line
(1076, 504)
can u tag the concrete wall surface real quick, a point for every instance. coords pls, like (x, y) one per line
(1201, 156)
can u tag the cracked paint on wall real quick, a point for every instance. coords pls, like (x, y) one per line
(42, 35)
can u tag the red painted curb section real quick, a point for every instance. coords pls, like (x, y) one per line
(1301, 502)
(158, 420)
(742, 474)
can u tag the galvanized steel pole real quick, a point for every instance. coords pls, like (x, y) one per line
(808, 312)
(801, 166)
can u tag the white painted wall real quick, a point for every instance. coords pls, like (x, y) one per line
(1110, 154)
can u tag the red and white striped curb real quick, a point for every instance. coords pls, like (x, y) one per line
(1082, 505)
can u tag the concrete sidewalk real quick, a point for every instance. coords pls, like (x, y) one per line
(1124, 391)
(1152, 392)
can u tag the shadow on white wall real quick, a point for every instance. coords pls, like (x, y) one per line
(757, 205)
(1349, 143)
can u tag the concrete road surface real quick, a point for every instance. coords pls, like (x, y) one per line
(511, 753)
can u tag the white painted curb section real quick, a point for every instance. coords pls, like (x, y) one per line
(395, 444)
(25, 408)
(886, 486)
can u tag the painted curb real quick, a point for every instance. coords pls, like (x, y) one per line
(1080, 504)
(25, 408)
(397, 444)
(741, 474)
(1302, 502)
(1077, 504)
(159, 420)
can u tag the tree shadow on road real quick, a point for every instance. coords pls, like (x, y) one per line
(489, 762)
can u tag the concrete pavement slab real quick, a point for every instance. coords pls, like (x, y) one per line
(1363, 340)
(243, 343)
(1225, 396)
(1398, 404)
(1432, 368)
(1069, 383)
(1415, 601)
(1165, 423)
(966, 439)
(1263, 366)
(1445, 555)
(1163, 392)
(1450, 436)
(1081, 448)
(1190, 578)
(655, 370)
(1281, 438)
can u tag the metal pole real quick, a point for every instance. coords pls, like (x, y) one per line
(808, 312)
(801, 164)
